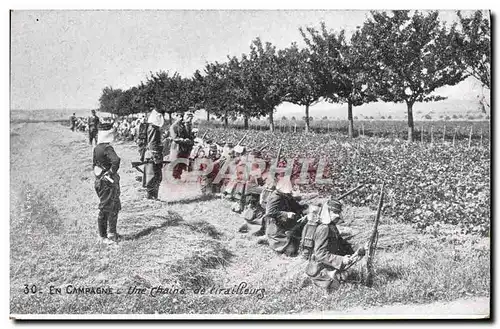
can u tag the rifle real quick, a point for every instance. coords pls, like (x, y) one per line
(242, 138)
(372, 244)
(350, 192)
(279, 156)
(206, 132)
(136, 164)
(263, 147)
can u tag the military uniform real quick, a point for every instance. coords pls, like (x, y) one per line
(142, 138)
(181, 146)
(283, 233)
(327, 252)
(93, 122)
(206, 181)
(72, 121)
(107, 187)
(153, 168)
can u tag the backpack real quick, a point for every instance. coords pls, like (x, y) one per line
(307, 240)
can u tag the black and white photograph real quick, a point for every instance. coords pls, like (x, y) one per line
(250, 164)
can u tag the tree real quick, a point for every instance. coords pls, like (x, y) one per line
(200, 90)
(342, 68)
(240, 92)
(109, 101)
(411, 56)
(474, 42)
(262, 77)
(301, 81)
(220, 98)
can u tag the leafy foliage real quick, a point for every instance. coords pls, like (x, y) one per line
(413, 55)
(474, 43)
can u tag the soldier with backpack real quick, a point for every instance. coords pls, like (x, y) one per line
(330, 256)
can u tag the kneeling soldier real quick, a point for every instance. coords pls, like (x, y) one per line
(330, 256)
(107, 183)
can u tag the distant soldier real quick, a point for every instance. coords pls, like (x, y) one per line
(188, 121)
(181, 145)
(154, 154)
(72, 122)
(330, 256)
(282, 225)
(107, 184)
(93, 123)
(142, 136)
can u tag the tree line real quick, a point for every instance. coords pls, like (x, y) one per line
(397, 56)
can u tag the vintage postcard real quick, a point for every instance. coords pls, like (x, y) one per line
(250, 164)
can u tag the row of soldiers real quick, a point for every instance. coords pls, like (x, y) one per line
(126, 128)
(286, 224)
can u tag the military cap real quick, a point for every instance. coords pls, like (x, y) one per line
(105, 126)
(335, 205)
(256, 153)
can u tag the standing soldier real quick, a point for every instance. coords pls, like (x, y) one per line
(107, 184)
(72, 122)
(154, 154)
(93, 122)
(330, 256)
(181, 144)
(142, 136)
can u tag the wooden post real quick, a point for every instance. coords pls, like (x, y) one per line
(328, 128)
(481, 143)
(295, 127)
(432, 135)
(359, 131)
(444, 132)
(422, 135)
(470, 136)
(454, 136)
(363, 128)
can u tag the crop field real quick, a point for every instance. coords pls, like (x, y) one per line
(428, 184)
(434, 240)
(425, 131)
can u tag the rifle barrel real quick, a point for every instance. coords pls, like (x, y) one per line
(350, 192)
(242, 138)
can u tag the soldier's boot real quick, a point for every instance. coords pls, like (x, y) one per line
(263, 241)
(261, 231)
(243, 228)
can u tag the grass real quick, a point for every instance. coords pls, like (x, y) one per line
(190, 242)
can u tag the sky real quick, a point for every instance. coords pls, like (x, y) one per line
(63, 59)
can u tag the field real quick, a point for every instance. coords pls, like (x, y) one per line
(190, 242)
(425, 131)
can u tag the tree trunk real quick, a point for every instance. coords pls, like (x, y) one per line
(208, 116)
(245, 122)
(226, 121)
(411, 127)
(170, 117)
(307, 118)
(271, 121)
(349, 118)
